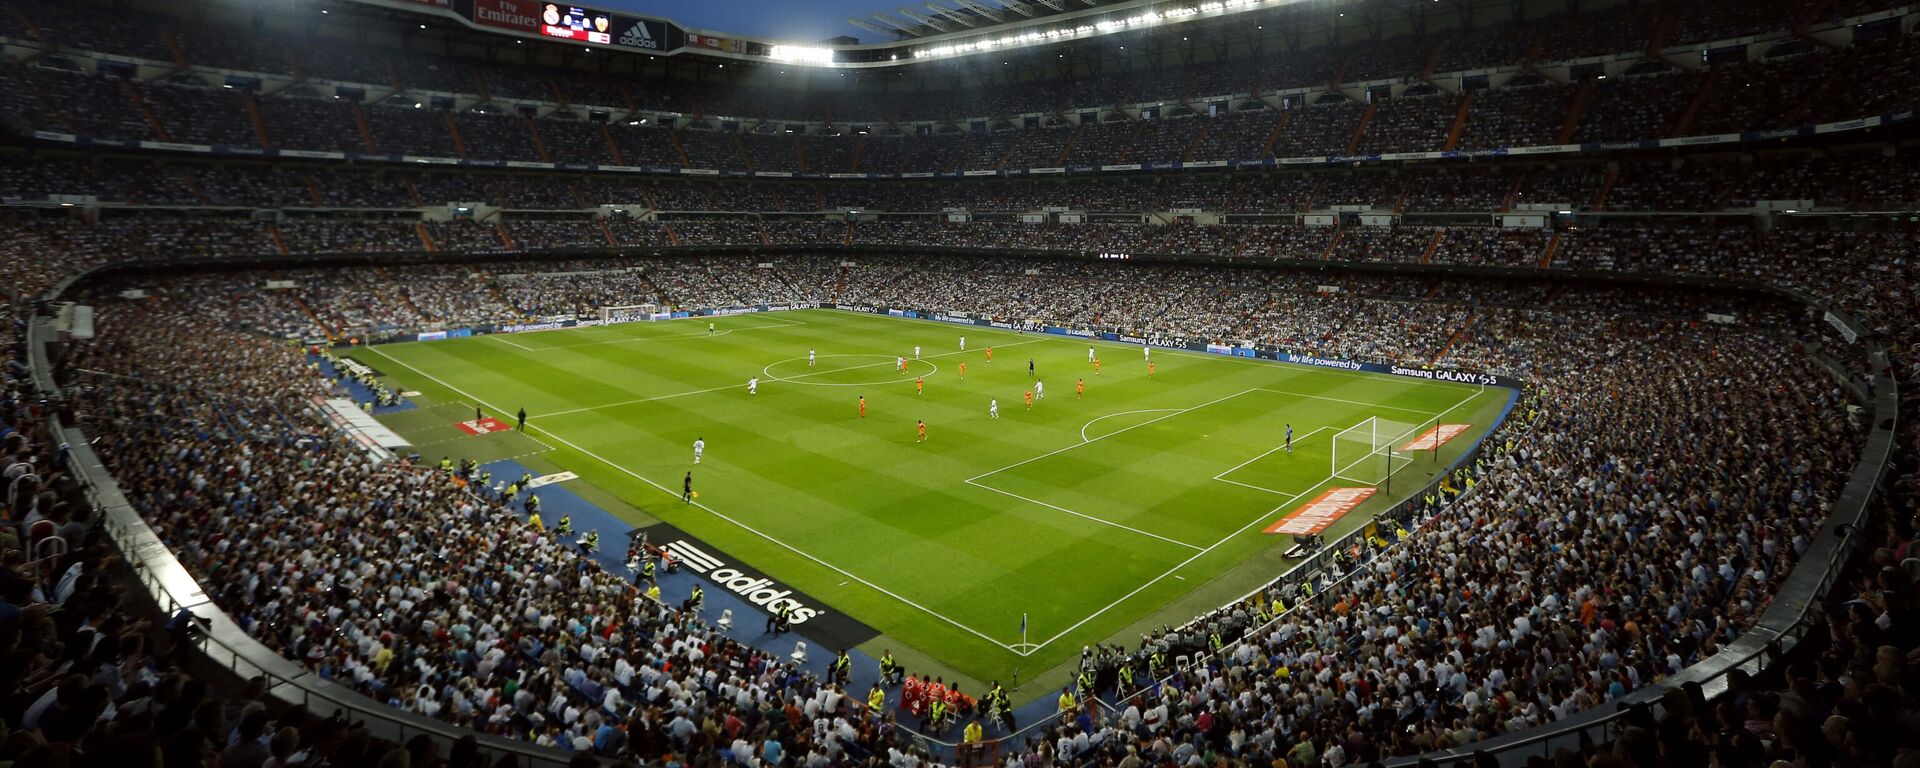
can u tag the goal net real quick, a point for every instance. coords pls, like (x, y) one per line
(627, 314)
(1368, 452)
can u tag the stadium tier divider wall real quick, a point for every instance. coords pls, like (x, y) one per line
(1780, 628)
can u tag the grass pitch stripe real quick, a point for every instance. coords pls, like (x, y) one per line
(716, 513)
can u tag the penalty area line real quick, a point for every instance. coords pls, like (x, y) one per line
(716, 513)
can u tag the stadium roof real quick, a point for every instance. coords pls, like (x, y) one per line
(934, 18)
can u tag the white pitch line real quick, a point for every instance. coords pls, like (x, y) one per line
(1170, 571)
(1358, 402)
(1102, 521)
(1373, 376)
(1203, 553)
(718, 514)
(739, 386)
(502, 338)
(1096, 419)
(1236, 467)
(1110, 434)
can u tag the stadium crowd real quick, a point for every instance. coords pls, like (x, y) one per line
(501, 115)
(1625, 522)
(1399, 643)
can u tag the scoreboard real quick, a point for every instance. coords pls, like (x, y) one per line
(573, 22)
(578, 23)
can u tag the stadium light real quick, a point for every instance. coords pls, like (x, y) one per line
(1106, 26)
(801, 54)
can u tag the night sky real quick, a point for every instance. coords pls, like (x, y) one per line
(805, 21)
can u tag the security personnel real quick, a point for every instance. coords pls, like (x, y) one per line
(1157, 664)
(486, 478)
(526, 478)
(446, 465)
(647, 567)
(876, 700)
(889, 671)
(1126, 677)
(973, 733)
(937, 716)
(533, 506)
(777, 621)
(1003, 710)
(1214, 642)
(590, 543)
(534, 520)
(1306, 588)
(1067, 703)
(513, 489)
(566, 523)
(1085, 682)
(695, 600)
(842, 667)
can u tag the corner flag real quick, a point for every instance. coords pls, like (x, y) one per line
(1023, 628)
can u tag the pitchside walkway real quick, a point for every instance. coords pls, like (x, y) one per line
(749, 620)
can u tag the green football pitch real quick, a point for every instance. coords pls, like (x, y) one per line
(1140, 504)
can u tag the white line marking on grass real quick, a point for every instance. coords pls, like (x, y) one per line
(716, 513)
(768, 372)
(1222, 477)
(1175, 412)
(502, 338)
(1203, 553)
(975, 480)
(741, 385)
(1362, 403)
(1096, 419)
(783, 323)
(1076, 340)
(1099, 520)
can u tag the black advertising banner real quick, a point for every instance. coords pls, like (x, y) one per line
(646, 34)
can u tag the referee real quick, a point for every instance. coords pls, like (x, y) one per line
(686, 489)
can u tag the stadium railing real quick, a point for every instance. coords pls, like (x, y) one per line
(1779, 630)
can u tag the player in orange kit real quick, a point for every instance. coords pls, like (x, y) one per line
(1029, 399)
(919, 385)
(989, 355)
(1151, 367)
(863, 406)
(963, 370)
(921, 427)
(1080, 389)
(1096, 366)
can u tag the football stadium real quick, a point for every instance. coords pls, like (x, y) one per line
(1303, 383)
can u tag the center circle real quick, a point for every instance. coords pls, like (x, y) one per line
(848, 372)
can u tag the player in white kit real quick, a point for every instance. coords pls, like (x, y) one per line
(1039, 390)
(809, 358)
(1089, 354)
(993, 409)
(699, 447)
(963, 343)
(916, 351)
(753, 386)
(1146, 352)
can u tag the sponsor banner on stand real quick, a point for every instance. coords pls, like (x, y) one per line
(809, 617)
(486, 426)
(513, 15)
(1432, 439)
(1321, 513)
(544, 480)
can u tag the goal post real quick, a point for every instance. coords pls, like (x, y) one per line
(1369, 452)
(628, 313)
